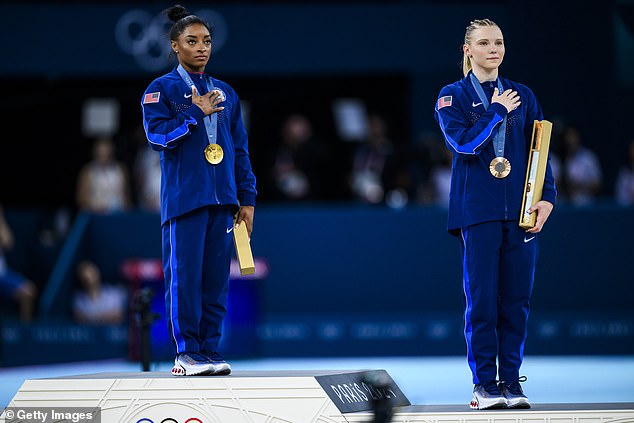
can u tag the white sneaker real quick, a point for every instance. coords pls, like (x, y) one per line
(487, 396)
(218, 364)
(191, 364)
(513, 393)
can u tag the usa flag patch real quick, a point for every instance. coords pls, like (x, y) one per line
(151, 98)
(444, 101)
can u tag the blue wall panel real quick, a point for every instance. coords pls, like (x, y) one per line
(356, 280)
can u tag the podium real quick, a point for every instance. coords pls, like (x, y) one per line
(275, 397)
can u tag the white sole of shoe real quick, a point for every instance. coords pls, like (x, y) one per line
(178, 371)
(487, 405)
(519, 403)
(184, 370)
(220, 369)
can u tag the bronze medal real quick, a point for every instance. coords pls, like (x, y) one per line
(214, 153)
(500, 167)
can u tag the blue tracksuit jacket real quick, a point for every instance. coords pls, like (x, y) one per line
(174, 127)
(476, 196)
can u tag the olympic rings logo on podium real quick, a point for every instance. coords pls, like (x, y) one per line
(144, 36)
(169, 420)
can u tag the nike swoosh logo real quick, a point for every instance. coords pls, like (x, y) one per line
(474, 104)
(529, 239)
(229, 229)
(187, 95)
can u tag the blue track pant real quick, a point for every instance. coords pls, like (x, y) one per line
(498, 260)
(197, 250)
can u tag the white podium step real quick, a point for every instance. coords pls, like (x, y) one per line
(270, 397)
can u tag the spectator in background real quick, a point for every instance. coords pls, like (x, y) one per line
(103, 182)
(624, 186)
(582, 174)
(300, 162)
(367, 174)
(147, 173)
(440, 179)
(14, 286)
(434, 167)
(96, 302)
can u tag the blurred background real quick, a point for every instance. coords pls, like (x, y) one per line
(350, 241)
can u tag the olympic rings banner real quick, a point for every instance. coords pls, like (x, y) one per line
(171, 412)
(141, 35)
(170, 420)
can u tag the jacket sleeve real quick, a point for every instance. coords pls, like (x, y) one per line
(164, 127)
(245, 179)
(534, 112)
(464, 140)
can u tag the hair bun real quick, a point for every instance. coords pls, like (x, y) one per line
(176, 13)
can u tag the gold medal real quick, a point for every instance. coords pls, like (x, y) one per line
(214, 153)
(500, 167)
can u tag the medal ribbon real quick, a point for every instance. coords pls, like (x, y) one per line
(498, 138)
(211, 121)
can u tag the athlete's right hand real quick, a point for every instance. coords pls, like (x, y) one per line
(245, 214)
(509, 99)
(208, 103)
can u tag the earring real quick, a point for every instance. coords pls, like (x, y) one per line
(176, 51)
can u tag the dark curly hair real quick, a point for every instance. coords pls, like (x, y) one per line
(182, 19)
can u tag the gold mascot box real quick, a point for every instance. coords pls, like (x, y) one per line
(535, 171)
(243, 249)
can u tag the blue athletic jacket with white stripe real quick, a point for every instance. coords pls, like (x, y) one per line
(476, 196)
(175, 128)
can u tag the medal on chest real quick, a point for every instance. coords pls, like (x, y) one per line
(214, 153)
(500, 167)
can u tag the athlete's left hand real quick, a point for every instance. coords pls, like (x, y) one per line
(543, 209)
(245, 215)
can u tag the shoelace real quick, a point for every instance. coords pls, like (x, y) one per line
(197, 356)
(514, 387)
(215, 356)
(492, 388)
